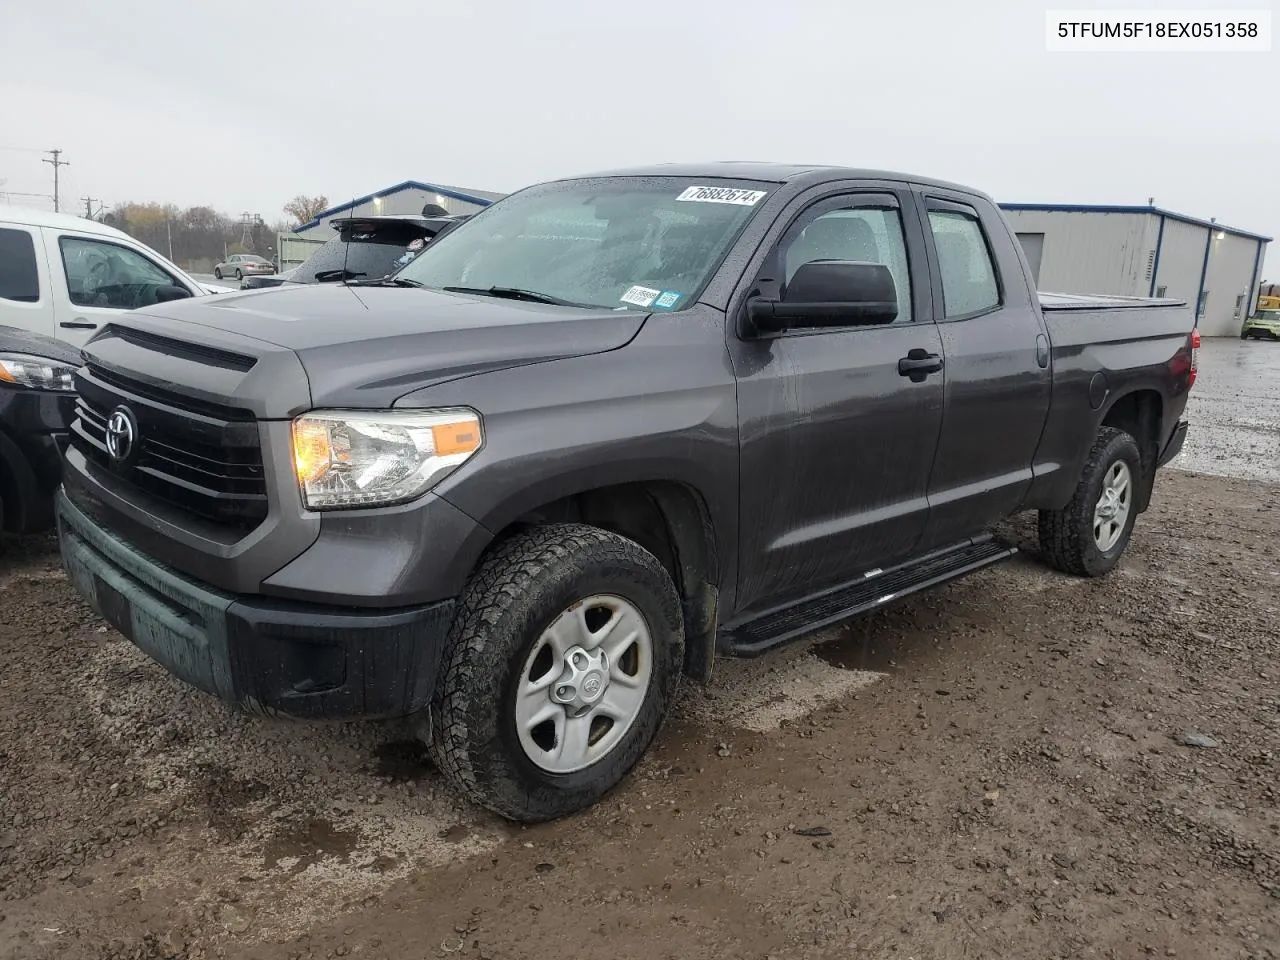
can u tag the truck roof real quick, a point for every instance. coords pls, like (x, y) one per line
(66, 221)
(795, 173)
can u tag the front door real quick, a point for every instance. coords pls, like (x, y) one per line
(96, 279)
(836, 444)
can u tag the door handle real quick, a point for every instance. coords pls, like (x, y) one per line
(918, 364)
(81, 324)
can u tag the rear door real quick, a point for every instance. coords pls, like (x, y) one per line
(836, 444)
(997, 367)
(25, 299)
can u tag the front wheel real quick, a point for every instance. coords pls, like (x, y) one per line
(1088, 536)
(217, 273)
(563, 658)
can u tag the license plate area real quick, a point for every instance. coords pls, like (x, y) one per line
(113, 606)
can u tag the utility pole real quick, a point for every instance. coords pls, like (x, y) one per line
(56, 162)
(88, 208)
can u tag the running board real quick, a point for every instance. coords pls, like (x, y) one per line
(750, 638)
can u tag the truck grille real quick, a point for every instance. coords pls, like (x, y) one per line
(200, 458)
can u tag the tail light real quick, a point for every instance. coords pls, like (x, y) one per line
(1195, 357)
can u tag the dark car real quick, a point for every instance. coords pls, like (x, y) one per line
(609, 429)
(362, 248)
(37, 402)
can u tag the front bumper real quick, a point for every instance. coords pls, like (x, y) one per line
(1174, 446)
(267, 656)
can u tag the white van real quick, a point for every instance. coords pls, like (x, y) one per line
(65, 276)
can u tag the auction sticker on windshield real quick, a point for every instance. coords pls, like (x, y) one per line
(745, 198)
(640, 296)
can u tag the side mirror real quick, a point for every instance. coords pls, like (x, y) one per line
(165, 294)
(830, 293)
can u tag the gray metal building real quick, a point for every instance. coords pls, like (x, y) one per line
(1143, 252)
(407, 197)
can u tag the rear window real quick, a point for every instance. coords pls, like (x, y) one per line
(19, 279)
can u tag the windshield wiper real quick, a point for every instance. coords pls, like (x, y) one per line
(340, 274)
(515, 293)
(386, 282)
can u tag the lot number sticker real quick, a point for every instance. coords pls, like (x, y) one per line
(743, 198)
(640, 296)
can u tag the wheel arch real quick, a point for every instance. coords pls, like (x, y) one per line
(1140, 413)
(671, 520)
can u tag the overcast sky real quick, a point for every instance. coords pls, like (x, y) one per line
(241, 105)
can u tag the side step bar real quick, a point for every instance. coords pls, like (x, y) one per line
(750, 638)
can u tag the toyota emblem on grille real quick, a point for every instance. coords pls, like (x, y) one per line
(122, 434)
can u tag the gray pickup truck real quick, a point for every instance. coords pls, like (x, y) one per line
(607, 430)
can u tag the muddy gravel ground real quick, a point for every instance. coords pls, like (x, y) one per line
(1019, 765)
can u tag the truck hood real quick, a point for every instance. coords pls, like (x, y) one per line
(369, 346)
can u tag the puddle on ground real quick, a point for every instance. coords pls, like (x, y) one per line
(308, 842)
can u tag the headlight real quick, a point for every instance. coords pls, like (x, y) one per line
(363, 460)
(38, 373)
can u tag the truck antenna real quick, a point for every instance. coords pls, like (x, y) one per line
(346, 257)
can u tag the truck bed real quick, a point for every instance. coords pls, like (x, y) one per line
(1079, 321)
(1080, 301)
(1105, 346)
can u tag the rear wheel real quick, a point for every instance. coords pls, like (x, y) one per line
(1089, 535)
(563, 658)
(239, 275)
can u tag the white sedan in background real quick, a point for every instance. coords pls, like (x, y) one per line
(241, 265)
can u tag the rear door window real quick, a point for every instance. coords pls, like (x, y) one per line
(968, 271)
(19, 276)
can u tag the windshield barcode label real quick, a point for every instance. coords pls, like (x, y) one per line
(640, 296)
(745, 198)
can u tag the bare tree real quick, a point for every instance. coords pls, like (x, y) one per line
(305, 209)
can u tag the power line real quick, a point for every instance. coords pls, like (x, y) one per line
(56, 163)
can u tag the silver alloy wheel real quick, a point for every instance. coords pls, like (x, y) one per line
(1112, 510)
(583, 684)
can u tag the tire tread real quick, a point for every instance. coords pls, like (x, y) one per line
(1062, 533)
(500, 583)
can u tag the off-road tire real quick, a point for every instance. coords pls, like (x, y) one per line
(1066, 535)
(516, 592)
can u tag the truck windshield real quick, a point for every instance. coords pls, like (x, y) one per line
(641, 243)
